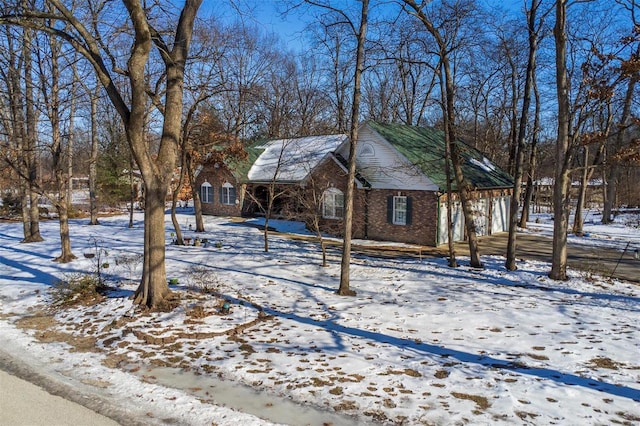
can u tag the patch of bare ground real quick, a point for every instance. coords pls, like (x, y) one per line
(524, 415)
(604, 362)
(626, 419)
(45, 326)
(377, 416)
(408, 371)
(115, 360)
(345, 406)
(481, 402)
(442, 374)
(538, 357)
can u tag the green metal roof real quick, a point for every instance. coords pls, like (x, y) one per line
(240, 168)
(425, 147)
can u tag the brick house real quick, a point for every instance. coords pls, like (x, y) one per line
(400, 186)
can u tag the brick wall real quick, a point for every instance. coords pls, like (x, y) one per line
(370, 210)
(216, 176)
(423, 223)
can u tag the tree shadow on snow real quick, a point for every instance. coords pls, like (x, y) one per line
(421, 349)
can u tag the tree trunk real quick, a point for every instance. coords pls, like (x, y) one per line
(578, 219)
(66, 254)
(157, 169)
(153, 288)
(533, 159)
(197, 204)
(449, 104)
(93, 159)
(267, 213)
(452, 261)
(31, 145)
(344, 289)
(456, 159)
(563, 154)
(133, 196)
(69, 146)
(614, 173)
(510, 263)
(176, 192)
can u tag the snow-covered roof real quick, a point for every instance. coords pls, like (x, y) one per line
(291, 160)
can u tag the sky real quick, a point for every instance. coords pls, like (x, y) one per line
(419, 343)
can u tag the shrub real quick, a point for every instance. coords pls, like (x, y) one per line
(79, 289)
(10, 204)
(204, 280)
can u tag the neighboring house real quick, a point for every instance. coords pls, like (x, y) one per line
(400, 186)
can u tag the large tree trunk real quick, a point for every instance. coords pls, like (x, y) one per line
(563, 154)
(153, 287)
(156, 170)
(344, 289)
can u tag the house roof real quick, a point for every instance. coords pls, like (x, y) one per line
(425, 147)
(291, 160)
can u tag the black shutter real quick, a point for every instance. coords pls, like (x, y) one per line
(390, 209)
(220, 190)
(409, 210)
(232, 195)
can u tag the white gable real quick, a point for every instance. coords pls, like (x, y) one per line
(383, 166)
(291, 160)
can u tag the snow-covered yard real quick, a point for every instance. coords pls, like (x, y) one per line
(421, 343)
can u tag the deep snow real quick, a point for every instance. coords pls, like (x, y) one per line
(420, 343)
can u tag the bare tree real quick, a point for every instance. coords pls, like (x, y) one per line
(93, 157)
(444, 42)
(20, 124)
(337, 67)
(534, 31)
(533, 156)
(630, 74)
(51, 86)
(156, 167)
(563, 151)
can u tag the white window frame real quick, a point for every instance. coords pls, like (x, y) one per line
(399, 210)
(333, 204)
(226, 194)
(206, 192)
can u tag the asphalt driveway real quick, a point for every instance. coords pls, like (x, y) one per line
(605, 261)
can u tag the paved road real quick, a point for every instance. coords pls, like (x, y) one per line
(23, 403)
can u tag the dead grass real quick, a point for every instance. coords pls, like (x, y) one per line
(45, 327)
(604, 362)
(481, 402)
